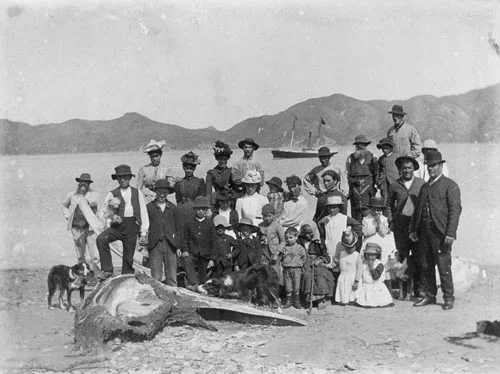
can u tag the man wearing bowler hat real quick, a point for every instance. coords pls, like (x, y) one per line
(405, 136)
(434, 226)
(129, 218)
(77, 208)
(313, 181)
(247, 162)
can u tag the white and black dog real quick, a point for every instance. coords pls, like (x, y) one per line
(258, 284)
(67, 279)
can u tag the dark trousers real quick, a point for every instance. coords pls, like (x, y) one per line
(292, 280)
(195, 267)
(357, 214)
(404, 246)
(164, 256)
(127, 233)
(432, 252)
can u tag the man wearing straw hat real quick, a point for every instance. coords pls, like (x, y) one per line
(129, 219)
(405, 137)
(434, 226)
(78, 217)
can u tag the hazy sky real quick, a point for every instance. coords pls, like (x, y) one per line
(215, 63)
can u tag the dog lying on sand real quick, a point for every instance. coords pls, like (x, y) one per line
(258, 284)
(67, 279)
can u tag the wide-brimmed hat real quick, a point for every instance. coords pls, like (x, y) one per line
(275, 181)
(373, 248)
(325, 151)
(224, 195)
(376, 202)
(121, 171)
(222, 149)
(154, 146)
(361, 139)
(84, 177)
(166, 184)
(385, 141)
(397, 109)
(429, 144)
(334, 200)
(401, 159)
(252, 177)
(250, 141)
(201, 202)
(245, 222)
(221, 221)
(349, 238)
(433, 158)
(190, 158)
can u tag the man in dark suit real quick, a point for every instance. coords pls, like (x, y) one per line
(434, 225)
(401, 202)
(163, 237)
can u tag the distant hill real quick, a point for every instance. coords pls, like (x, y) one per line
(470, 117)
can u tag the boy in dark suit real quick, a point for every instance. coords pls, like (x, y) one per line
(163, 238)
(225, 247)
(250, 251)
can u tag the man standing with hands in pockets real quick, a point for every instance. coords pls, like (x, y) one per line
(434, 226)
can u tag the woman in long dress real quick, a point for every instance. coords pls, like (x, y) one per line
(219, 178)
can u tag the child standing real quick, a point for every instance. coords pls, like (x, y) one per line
(361, 192)
(388, 172)
(293, 261)
(348, 261)
(276, 195)
(295, 206)
(223, 201)
(225, 247)
(272, 239)
(249, 251)
(369, 287)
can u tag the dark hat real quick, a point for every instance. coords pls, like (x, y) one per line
(122, 170)
(360, 171)
(245, 222)
(250, 141)
(385, 141)
(401, 159)
(376, 202)
(397, 109)
(190, 158)
(222, 149)
(433, 158)
(325, 151)
(275, 181)
(373, 248)
(166, 184)
(361, 139)
(84, 177)
(224, 195)
(201, 202)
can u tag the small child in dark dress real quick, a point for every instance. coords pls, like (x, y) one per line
(249, 251)
(225, 247)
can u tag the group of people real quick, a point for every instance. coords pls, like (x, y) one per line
(223, 223)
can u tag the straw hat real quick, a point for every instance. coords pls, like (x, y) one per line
(373, 248)
(154, 146)
(245, 222)
(221, 221)
(252, 177)
(334, 200)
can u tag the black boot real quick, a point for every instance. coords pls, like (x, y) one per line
(426, 301)
(448, 304)
(288, 302)
(296, 302)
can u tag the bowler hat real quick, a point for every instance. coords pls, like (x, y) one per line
(325, 151)
(121, 171)
(376, 202)
(201, 202)
(429, 144)
(190, 158)
(154, 146)
(166, 184)
(221, 221)
(334, 200)
(252, 177)
(84, 177)
(245, 222)
(275, 181)
(250, 141)
(361, 139)
(373, 248)
(385, 141)
(397, 109)
(433, 158)
(401, 159)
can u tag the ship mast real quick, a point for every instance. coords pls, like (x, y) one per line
(293, 131)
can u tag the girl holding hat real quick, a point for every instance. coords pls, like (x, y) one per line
(369, 287)
(156, 170)
(347, 259)
(250, 205)
(220, 177)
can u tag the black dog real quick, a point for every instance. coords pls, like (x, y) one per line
(67, 279)
(258, 284)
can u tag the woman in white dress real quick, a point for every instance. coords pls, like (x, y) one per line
(370, 290)
(347, 260)
(250, 205)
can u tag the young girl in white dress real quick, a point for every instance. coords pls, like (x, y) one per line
(250, 205)
(347, 259)
(370, 290)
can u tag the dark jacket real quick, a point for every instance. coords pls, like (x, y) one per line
(249, 252)
(199, 237)
(163, 225)
(188, 188)
(398, 195)
(222, 247)
(444, 206)
(360, 196)
(352, 166)
(387, 169)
